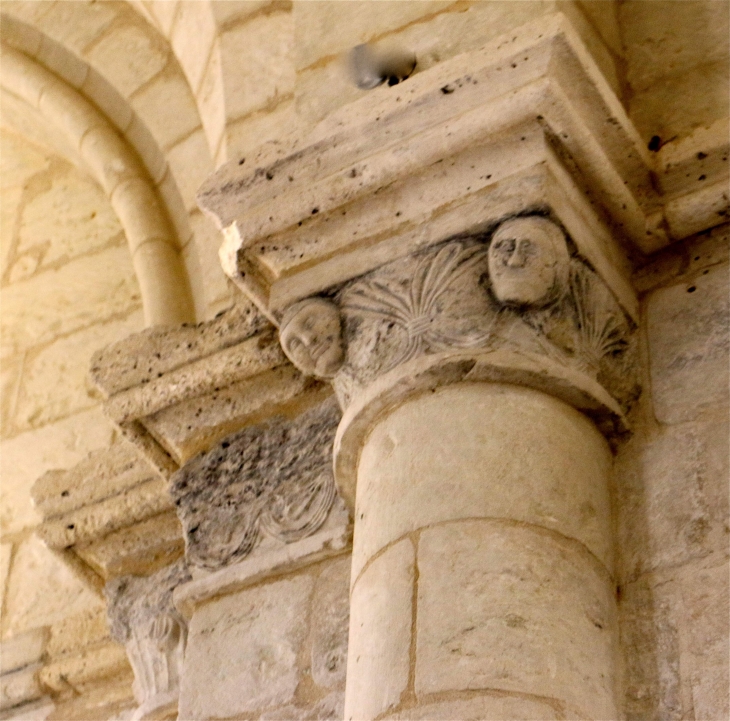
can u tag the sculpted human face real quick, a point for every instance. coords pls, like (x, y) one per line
(312, 338)
(526, 260)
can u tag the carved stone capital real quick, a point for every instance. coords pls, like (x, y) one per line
(515, 304)
(270, 484)
(142, 617)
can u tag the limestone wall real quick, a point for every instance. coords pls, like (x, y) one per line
(277, 650)
(68, 286)
(671, 502)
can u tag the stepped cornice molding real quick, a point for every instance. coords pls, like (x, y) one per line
(528, 121)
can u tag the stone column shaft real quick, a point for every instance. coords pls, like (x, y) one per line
(481, 564)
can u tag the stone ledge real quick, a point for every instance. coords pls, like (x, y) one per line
(96, 515)
(177, 391)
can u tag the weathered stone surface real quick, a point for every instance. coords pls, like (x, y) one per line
(378, 661)
(86, 668)
(483, 450)
(54, 386)
(41, 590)
(251, 357)
(329, 623)
(330, 708)
(275, 477)
(196, 425)
(650, 609)
(135, 601)
(141, 358)
(102, 474)
(78, 630)
(704, 630)
(143, 617)
(19, 687)
(243, 648)
(23, 649)
(672, 503)
(515, 287)
(141, 548)
(503, 607)
(689, 346)
(271, 559)
(682, 103)
(124, 509)
(695, 254)
(32, 711)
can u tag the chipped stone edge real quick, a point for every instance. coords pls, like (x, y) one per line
(187, 597)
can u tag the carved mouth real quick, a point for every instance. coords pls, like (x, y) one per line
(318, 350)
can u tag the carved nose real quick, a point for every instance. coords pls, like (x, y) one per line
(308, 338)
(516, 259)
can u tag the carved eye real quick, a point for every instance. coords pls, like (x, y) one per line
(527, 247)
(294, 343)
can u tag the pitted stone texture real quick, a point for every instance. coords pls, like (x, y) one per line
(134, 601)
(505, 607)
(101, 474)
(330, 623)
(522, 455)
(689, 346)
(276, 477)
(504, 708)
(148, 355)
(381, 609)
(672, 497)
(196, 425)
(243, 648)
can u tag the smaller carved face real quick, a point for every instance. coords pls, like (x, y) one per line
(311, 336)
(528, 258)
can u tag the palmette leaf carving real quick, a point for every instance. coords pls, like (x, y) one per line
(415, 310)
(543, 299)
